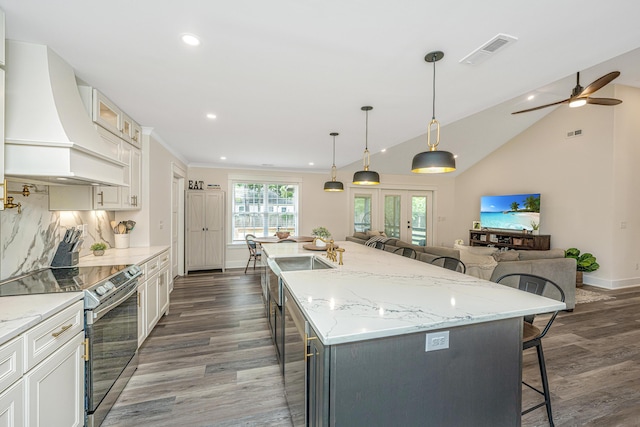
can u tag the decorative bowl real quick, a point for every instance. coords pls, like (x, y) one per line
(282, 234)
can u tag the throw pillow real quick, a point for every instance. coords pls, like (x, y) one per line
(373, 233)
(372, 241)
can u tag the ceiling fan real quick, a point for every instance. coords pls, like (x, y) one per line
(580, 96)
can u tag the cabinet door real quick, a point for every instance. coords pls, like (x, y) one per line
(195, 230)
(163, 291)
(105, 197)
(142, 313)
(12, 406)
(214, 228)
(317, 390)
(127, 127)
(55, 388)
(106, 113)
(125, 157)
(136, 135)
(152, 303)
(135, 184)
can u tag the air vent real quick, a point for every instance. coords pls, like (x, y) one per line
(488, 49)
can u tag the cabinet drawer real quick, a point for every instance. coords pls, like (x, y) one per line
(45, 338)
(163, 260)
(153, 266)
(11, 362)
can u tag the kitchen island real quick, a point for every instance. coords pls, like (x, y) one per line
(387, 340)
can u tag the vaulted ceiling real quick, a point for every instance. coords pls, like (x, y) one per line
(281, 75)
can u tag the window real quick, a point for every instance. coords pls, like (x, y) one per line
(362, 213)
(264, 208)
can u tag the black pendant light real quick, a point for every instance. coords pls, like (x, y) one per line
(333, 185)
(366, 177)
(433, 161)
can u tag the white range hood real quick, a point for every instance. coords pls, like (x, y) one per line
(49, 136)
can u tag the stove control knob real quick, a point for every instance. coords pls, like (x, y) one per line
(109, 285)
(101, 290)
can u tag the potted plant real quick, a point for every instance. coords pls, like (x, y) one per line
(322, 233)
(584, 263)
(98, 248)
(535, 227)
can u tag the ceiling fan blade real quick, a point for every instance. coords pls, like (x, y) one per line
(600, 83)
(603, 101)
(541, 107)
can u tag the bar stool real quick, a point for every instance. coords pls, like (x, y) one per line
(406, 252)
(254, 252)
(532, 335)
(450, 263)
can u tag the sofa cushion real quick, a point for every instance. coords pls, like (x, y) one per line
(553, 253)
(373, 233)
(416, 248)
(478, 260)
(360, 235)
(506, 256)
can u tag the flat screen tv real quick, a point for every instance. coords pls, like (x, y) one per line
(510, 212)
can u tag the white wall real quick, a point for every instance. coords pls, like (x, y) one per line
(329, 209)
(587, 184)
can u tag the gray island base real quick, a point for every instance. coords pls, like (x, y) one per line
(385, 340)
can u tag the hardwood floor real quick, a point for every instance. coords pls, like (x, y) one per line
(211, 362)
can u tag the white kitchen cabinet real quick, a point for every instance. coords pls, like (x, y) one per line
(205, 230)
(54, 389)
(153, 293)
(106, 113)
(42, 373)
(12, 406)
(142, 313)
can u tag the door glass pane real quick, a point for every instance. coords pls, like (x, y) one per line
(419, 220)
(362, 213)
(392, 216)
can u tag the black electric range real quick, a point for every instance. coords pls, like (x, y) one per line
(98, 282)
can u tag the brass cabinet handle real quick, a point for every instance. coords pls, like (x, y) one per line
(86, 350)
(138, 298)
(64, 328)
(307, 338)
(101, 194)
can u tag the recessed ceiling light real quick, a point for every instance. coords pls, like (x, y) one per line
(530, 97)
(211, 116)
(455, 156)
(383, 150)
(223, 158)
(190, 39)
(310, 163)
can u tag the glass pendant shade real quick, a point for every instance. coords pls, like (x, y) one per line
(365, 176)
(433, 161)
(333, 185)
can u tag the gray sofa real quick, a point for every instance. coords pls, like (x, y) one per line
(549, 264)
(424, 253)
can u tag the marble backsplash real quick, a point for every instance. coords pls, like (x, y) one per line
(29, 239)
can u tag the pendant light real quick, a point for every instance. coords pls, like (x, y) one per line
(366, 177)
(433, 161)
(333, 185)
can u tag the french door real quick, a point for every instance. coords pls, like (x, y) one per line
(407, 215)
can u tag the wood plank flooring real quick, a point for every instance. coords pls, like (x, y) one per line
(211, 362)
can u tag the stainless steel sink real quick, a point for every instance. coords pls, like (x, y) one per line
(302, 263)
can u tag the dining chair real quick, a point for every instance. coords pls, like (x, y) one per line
(406, 252)
(531, 334)
(254, 252)
(379, 245)
(450, 263)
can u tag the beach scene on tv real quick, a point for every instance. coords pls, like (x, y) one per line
(510, 212)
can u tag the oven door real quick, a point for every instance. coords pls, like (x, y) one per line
(112, 331)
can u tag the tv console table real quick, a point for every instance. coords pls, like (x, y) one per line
(517, 240)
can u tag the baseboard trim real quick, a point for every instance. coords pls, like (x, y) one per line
(611, 284)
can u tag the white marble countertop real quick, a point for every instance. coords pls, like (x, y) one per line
(20, 313)
(377, 294)
(122, 256)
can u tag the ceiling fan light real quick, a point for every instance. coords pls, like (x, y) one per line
(433, 162)
(578, 102)
(366, 177)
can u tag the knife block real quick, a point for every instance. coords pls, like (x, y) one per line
(64, 257)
